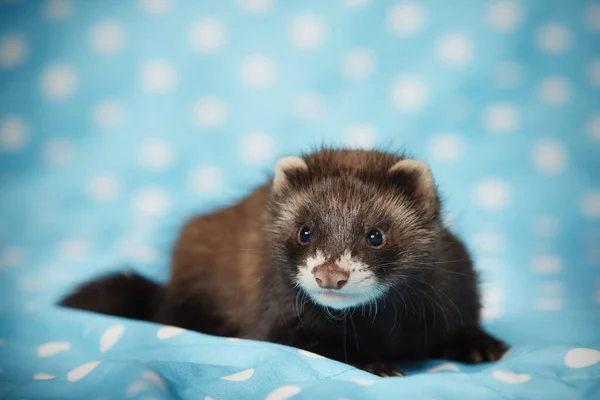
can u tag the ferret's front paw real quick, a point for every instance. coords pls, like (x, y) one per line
(475, 348)
(385, 370)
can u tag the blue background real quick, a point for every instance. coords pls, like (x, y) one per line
(120, 119)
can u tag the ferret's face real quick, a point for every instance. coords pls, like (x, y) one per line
(345, 242)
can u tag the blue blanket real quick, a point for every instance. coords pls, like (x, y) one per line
(58, 354)
(119, 120)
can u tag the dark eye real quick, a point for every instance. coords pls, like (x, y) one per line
(375, 238)
(304, 235)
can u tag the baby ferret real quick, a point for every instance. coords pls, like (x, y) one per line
(342, 253)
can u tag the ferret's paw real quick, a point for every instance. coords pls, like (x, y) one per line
(474, 349)
(385, 370)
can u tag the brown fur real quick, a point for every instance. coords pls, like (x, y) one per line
(222, 258)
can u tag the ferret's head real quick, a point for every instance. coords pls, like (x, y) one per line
(348, 226)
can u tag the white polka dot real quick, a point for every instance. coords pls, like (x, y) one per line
(409, 93)
(151, 201)
(51, 348)
(32, 284)
(510, 377)
(257, 148)
(108, 114)
(12, 256)
(500, 118)
(307, 31)
(31, 306)
(110, 337)
(549, 156)
(355, 3)
(491, 295)
(492, 194)
(205, 179)
(59, 81)
(364, 382)
(13, 50)
(240, 376)
(209, 112)
(156, 6)
(208, 35)
(136, 387)
(358, 63)
(59, 274)
(446, 147)
(156, 154)
(309, 354)
(256, 7)
(553, 288)
(309, 106)
(103, 187)
(547, 264)
(545, 226)
(489, 243)
(140, 253)
(360, 136)
(594, 72)
(14, 133)
(505, 15)
(555, 90)
(58, 9)
(158, 76)
(73, 249)
(444, 367)
(491, 313)
(284, 392)
(455, 49)
(593, 127)
(592, 17)
(488, 263)
(43, 376)
(549, 304)
(553, 38)
(406, 18)
(167, 332)
(107, 37)
(58, 151)
(448, 218)
(82, 371)
(590, 205)
(508, 73)
(582, 358)
(258, 71)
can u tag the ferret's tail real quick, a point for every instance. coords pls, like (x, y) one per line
(127, 295)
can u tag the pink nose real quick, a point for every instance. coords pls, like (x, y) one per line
(330, 276)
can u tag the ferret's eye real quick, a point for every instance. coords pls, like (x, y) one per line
(375, 238)
(304, 235)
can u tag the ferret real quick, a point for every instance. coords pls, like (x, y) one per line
(342, 253)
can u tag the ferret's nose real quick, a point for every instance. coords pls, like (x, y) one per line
(330, 276)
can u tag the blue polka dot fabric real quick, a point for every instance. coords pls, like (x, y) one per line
(120, 120)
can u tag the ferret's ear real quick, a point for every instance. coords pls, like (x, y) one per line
(414, 178)
(284, 168)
